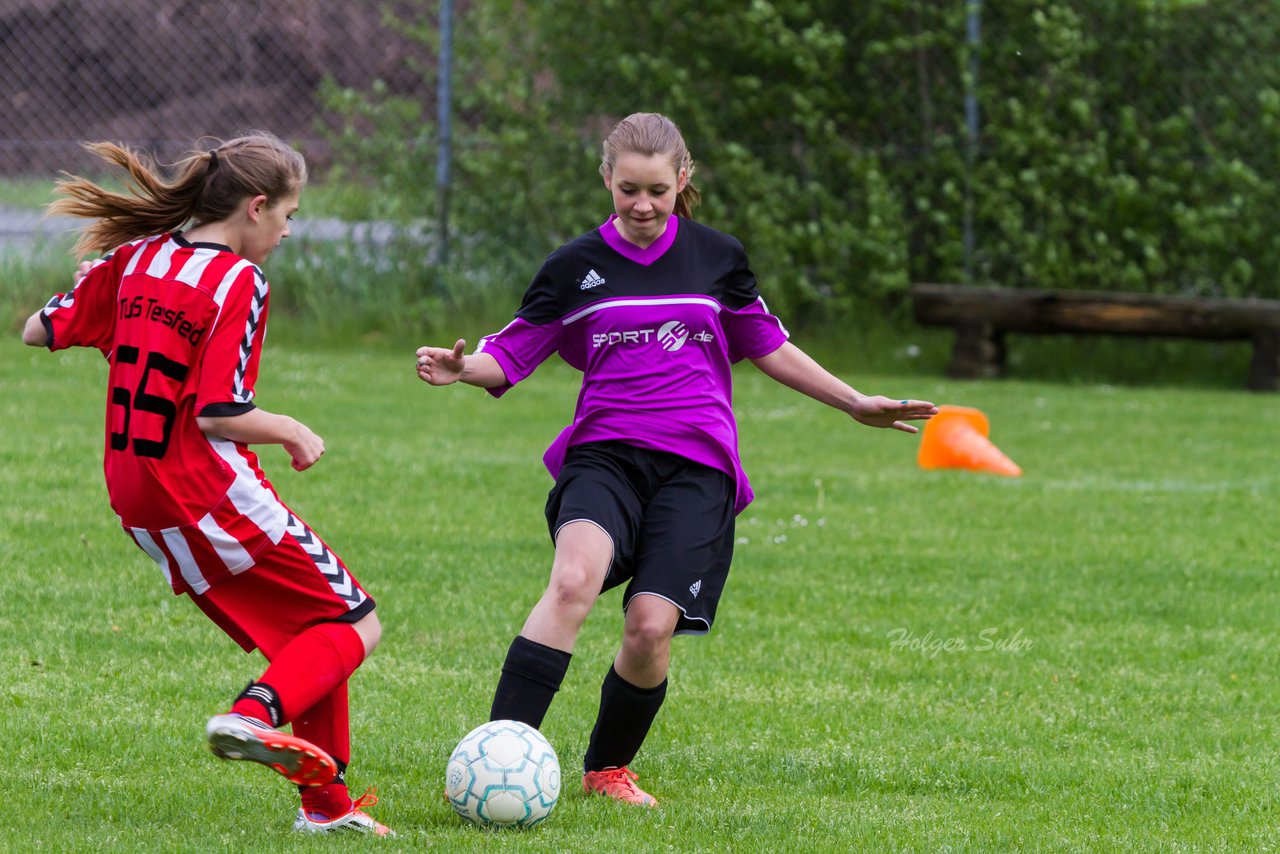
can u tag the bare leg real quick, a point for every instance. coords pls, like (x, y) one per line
(539, 657)
(645, 656)
(583, 555)
(370, 631)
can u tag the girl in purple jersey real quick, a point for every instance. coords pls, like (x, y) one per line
(654, 309)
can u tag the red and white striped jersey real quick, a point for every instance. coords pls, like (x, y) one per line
(182, 327)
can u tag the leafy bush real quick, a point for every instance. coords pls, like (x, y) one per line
(1121, 145)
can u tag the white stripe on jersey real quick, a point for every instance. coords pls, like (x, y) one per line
(157, 554)
(250, 498)
(220, 295)
(162, 260)
(485, 339)
(186, 561)
(621, 303)
(771, 314)
(132, 266)
(227, 546)
(194, 268)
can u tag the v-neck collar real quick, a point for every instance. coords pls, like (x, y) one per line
(630, 251)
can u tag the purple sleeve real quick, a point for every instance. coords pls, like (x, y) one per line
(527, 341)
(752, 331)
(519, 348)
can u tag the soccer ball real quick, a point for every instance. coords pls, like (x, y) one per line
(503, 773)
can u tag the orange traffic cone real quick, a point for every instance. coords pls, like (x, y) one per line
(956, 438)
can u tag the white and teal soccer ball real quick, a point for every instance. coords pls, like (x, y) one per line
(502, 774)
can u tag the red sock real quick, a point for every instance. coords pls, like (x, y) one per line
(308, 669)
(327, 726)
(330, 801)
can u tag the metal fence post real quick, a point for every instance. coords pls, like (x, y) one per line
(973, 40)
(443, 121)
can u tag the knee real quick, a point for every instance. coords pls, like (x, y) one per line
(646, 637)
(574, 586)
(370, 630)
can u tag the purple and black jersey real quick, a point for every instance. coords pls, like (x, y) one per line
(654, 332)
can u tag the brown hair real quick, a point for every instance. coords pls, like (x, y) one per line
(207, 188)
(648, 134)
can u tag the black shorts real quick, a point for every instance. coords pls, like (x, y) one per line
(671, 521)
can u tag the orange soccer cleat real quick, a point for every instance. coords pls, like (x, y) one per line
(619, 784)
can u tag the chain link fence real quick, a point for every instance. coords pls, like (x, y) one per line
(157, 75)
(1118, 144)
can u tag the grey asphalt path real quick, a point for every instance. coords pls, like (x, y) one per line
(26, 228)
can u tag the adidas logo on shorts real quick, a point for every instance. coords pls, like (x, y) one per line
(695, 587)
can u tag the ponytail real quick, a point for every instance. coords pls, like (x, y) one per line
(207, 187)
(688, 198)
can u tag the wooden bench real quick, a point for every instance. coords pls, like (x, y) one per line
(981, 316)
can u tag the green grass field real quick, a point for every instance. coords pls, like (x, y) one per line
(1081, 659)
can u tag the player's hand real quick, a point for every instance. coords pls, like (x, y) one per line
(306, 448)
(81, 271)
(439, 366)
(880, 411)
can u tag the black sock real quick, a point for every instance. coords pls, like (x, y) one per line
(262, 696)
(626, 713)
(531, 675)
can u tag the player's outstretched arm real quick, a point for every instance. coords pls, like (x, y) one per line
(795, 369)
(33, 332)
(259, 427)
(442, 366)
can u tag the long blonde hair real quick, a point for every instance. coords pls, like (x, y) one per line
(648, 134)
(207, 188)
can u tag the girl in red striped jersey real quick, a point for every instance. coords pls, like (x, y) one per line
(178, 306)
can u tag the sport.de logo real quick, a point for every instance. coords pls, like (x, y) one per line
(672, 335)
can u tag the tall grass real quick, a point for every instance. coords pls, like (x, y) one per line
(1081, 659)
(34, 191)
(361, 290)
(357, 292)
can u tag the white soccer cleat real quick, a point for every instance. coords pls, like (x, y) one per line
(354, 819)
(233, 736)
